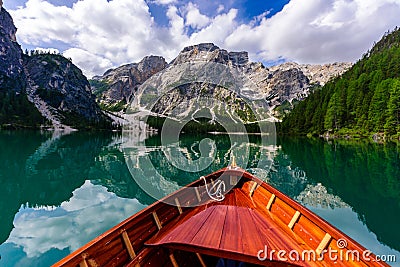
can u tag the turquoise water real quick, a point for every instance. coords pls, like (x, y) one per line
(59, 192)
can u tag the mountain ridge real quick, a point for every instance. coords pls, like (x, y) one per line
(292, 81)
(42, 89)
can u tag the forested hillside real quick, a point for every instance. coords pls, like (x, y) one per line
(363, 101)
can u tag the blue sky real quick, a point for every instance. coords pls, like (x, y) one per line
(101, 34)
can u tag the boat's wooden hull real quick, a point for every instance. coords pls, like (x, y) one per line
(198, 231)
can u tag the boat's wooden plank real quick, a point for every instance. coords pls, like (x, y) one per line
(286, 208)
(128, 245)
(187, 197)
(309, 232)
(142, 231)
(294, 219)
(184, 229)
(156, 220)
(243, 199)
(83, 263)
(270, 202)
(178, 205)
(100, 255)
(210, 233)
(232, 234)
(119, 259)
(262, 195)
(166, 213)
(147, 228)
(324, 242)
(192, 226)
(173, 260)
(252, 242)
(274, 224)
(201, 260)
(154, 257)
(106, 252)
(272, 235)
(253, 188)
(197, 194)
(280, 210)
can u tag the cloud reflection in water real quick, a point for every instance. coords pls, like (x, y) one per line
(90, 211)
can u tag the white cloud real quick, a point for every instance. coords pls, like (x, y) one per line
(164, 2)
(114, 32)
(218, 30)
(40, 21)
(220, 8)
(194, 18)
(318, 31)
(101, 34)
(92, 64)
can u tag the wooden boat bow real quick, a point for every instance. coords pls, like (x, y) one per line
(251, 220)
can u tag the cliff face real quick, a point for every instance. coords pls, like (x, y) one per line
(12, 76)
(57, 91)
(118, 85)
(211, 53)
(317, 74)
(61, 92)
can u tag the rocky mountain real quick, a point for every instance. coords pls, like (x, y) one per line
(12, 74)
(61, 92)
(317, 74)
(207, 71)
(115, 88)
(15, 109)
(211, 53)
(281, 86)
(42, 89)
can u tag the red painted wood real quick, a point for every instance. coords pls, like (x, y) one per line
(209, 235)
(231, 239)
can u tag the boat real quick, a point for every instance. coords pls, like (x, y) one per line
(227, 218)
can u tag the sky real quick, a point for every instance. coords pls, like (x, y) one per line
(101, 34)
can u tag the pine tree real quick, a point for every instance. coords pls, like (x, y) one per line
(377, 109)
(392, 125)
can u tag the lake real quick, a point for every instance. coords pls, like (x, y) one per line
(60, 191)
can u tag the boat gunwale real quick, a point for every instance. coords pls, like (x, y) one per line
(311, 216)
(317, 220)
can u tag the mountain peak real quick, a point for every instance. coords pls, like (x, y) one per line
(7, 23)
(207, 47)
(209, 52)
(123, 81)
